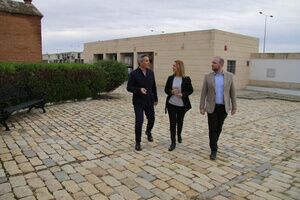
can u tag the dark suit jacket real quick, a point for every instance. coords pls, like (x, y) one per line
(186, 90)
(138, 80)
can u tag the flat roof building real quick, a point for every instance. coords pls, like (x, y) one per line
(195, 49)
(63, 57)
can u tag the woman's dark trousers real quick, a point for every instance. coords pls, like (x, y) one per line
(176, 116)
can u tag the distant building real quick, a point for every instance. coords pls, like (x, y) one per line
(20, 32)
(65, 57)
(196, 49)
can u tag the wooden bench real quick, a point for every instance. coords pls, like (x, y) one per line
(16, 98)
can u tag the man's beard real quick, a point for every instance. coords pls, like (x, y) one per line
(215, 69)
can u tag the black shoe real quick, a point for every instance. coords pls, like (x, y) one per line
(149, 137)
(179, 140)
(172, 147)
(138, 147)
(213, 155)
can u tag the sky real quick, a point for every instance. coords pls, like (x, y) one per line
(68, 24)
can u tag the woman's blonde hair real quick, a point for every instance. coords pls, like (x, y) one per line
(180, 67)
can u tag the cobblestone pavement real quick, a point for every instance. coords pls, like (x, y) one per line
(85, 150)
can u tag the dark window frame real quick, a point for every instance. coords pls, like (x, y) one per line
(231, 66)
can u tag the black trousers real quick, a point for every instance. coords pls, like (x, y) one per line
(215, 124)
(176, 116)
(139, 119)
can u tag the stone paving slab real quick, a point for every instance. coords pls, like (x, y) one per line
(85, 150)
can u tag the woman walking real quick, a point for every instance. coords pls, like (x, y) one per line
(178, 88)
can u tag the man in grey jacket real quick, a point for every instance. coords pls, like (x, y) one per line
(217, 99)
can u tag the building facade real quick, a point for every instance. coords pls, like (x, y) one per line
(195, 49)
(66, 57)
(275, 70)
(20, 32)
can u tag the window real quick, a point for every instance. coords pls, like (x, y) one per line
(98, 57)
(248, 63)
(231, 66)
(111, 56)
(128, 60)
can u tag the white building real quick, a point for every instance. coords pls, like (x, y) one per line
(65, 57)
(275, 70)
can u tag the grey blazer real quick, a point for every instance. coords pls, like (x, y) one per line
(208, 93)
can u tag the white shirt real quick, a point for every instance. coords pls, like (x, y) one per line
(176, 100)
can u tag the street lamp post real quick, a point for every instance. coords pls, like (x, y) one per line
(266, 16)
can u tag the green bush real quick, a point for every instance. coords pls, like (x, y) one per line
(60, 82)
(115, 73)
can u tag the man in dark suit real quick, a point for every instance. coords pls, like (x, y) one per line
(142, 84)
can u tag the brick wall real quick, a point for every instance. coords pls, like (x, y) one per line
(20, 38)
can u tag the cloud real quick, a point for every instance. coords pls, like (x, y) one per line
(67, 23)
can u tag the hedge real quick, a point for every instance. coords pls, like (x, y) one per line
(115, 73)
(64, 81)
